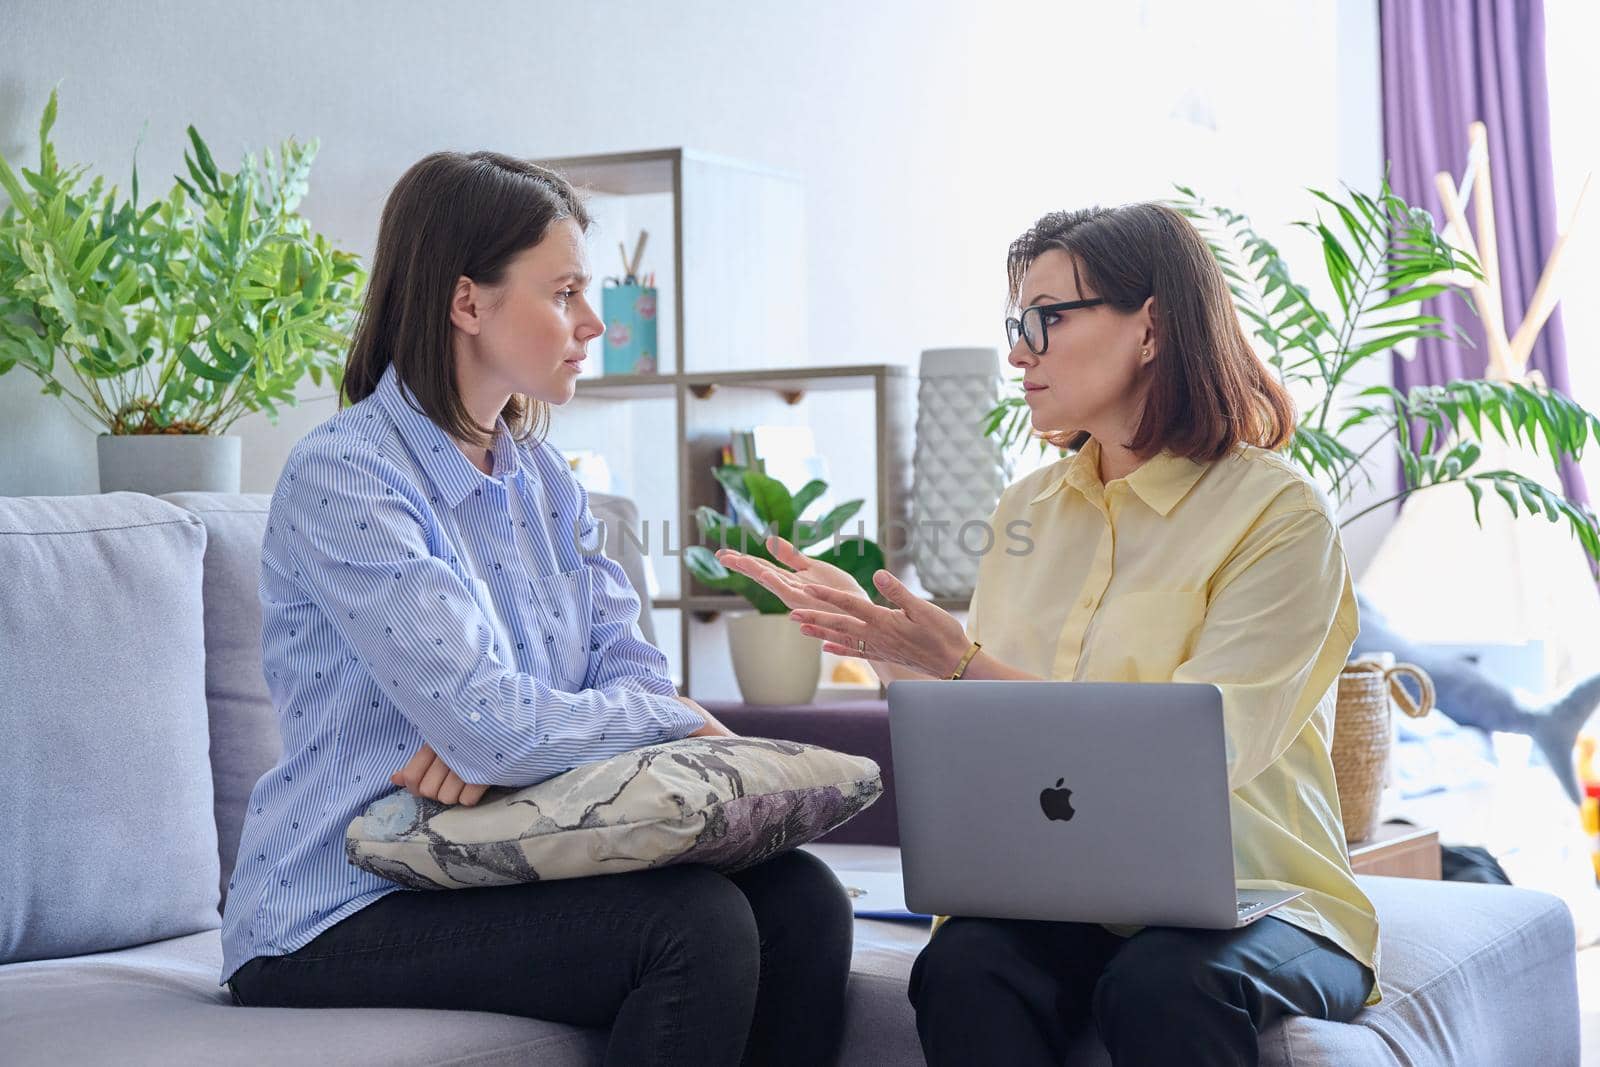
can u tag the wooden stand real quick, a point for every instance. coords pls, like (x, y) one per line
(1399, 850)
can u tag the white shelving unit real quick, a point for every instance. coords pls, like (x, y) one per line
(727, 246)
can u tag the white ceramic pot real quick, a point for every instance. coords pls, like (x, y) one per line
(774, 662)
(157, 463)
(958, 470)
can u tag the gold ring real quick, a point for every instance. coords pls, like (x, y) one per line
(861, 645)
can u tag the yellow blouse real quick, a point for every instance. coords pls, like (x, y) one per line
(1230, 573)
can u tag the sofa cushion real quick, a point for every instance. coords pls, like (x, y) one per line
(160, 1004)
(107, 834)
(1471, 974)
(245, 742)
(724, 802)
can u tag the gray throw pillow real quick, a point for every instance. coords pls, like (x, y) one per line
(245, 742)
(725, 802)
(106, 838)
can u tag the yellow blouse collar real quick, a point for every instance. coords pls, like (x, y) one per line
(1160, 481)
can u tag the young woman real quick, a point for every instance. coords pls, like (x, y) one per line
(431, 620)
(1173, 545)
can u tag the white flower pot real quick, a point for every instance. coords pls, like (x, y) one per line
(774, 662)
(958, 470)
(157, 463)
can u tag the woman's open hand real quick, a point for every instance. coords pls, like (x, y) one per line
(789, 585)
(911, 633)
(427, 776)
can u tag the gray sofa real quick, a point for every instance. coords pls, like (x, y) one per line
(134, 721)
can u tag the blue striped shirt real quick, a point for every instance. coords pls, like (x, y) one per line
(407, 597)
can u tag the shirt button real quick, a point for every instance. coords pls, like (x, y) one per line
(475, 716)
(1088, 600)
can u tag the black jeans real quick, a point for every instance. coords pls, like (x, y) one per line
(685, 965)
(1013, 992)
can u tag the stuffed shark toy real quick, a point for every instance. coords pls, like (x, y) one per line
(1473, 698)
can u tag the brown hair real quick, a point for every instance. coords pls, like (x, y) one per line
(450, 215)
(1208, 390)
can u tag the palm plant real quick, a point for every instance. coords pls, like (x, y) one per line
(762, 506)
(1383, 258)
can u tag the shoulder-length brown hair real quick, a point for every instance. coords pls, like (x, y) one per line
(1208, 391)
(451, 215)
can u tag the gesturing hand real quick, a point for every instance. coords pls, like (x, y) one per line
(789, 585)
(912, 632)
(427, 776)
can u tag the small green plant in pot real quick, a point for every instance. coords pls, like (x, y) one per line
(773, 661)
(165, 322)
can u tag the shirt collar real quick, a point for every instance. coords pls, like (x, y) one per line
(1160, 481)
(452, 474)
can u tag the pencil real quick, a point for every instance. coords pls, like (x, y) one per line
(638, 252)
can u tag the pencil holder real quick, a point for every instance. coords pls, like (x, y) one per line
(630, 315)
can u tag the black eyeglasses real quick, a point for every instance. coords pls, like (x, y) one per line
(1033, 326)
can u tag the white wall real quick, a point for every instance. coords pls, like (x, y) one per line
(1572, 26)
(1359, 162)
(929, 134)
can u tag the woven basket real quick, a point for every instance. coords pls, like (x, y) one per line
(1362, 736)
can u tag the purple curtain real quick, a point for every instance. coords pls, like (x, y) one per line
(1447, 63)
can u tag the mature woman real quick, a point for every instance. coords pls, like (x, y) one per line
(1173, 544)
(430, 620)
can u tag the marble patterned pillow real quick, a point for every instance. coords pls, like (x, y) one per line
(725, 802)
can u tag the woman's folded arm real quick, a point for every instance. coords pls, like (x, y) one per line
(358, 547)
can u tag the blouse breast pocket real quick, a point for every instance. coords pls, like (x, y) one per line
(561, 610)
(1143, 637)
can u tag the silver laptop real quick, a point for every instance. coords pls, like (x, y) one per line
(1067, 801)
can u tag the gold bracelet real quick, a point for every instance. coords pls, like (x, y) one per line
(962, 666)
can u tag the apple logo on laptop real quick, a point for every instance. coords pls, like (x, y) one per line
(1056, 803)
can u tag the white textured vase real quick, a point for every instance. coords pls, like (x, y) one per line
(157, 463)
(958, 470)
(774, 662)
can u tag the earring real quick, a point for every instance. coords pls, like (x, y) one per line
(1144, 353)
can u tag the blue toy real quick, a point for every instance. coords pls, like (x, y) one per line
(1473, 698)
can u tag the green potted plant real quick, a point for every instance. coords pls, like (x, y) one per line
(1383, 257)
(162, 323)
(773, 661)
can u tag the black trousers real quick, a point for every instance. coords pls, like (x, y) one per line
(685, 965)
(1013, 992)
